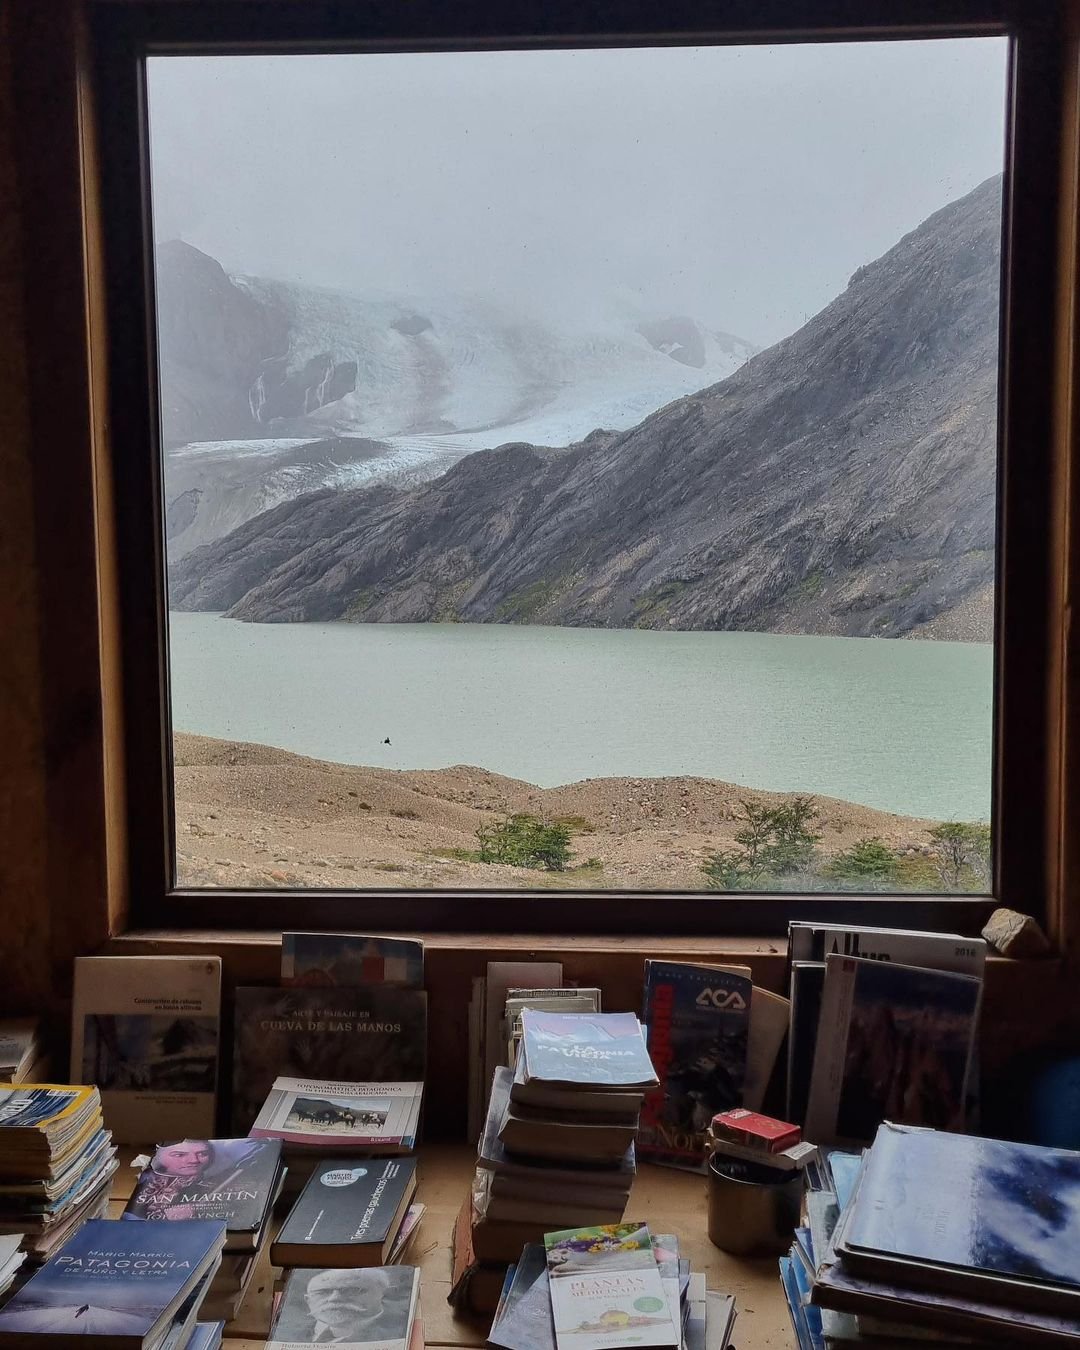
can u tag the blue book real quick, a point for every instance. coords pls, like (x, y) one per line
(698, 1019)
(601, 1051)
(960, 1214)
(349, 960)
(115, 1280)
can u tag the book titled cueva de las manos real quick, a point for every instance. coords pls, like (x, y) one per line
(117, 1283)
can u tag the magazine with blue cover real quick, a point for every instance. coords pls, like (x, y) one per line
(112, 1279)
(599, 1050)
(698, 1019)
(952, 1211)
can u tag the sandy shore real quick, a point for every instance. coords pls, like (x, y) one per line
(255, 816)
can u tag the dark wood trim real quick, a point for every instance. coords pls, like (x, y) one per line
(1028, 821)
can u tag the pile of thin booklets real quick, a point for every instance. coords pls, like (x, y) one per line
(558, 1143)
(236, 1181)
(127, 1286)
(56, 1161)
(22, 1057)
(606, 1287)
(941, 1237)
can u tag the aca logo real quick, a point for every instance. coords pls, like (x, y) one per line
(722, 999)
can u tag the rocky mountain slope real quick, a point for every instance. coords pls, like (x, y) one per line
(840, 482)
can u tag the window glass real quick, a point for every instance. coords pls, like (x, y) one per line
(579, 465)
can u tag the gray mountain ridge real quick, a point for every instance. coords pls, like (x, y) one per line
(841, 482)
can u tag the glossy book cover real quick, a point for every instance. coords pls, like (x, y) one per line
(698, 1019)
(596, 1049)
(111, 1279)
(228, 1179)
(606, 1289)
(980, 1206)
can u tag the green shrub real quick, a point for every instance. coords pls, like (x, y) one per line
(868, 860)
(774, 842)
(525, 841)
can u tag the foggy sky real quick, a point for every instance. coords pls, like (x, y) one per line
(742, 186)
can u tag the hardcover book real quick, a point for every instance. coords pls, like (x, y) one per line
(894, 1043)
(234, 1180)
(597, 1050)
(368, 1117)
(369, 1309)
(348, 1214)
(145, 1029)
(807, 987)
(113, 1280)
(350, 960)
(375, 1034)
(698, 1020)
(956, 1212)
(606, 1289)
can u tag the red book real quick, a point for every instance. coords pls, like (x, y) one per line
(756, 1131)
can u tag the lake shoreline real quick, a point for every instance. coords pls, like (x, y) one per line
(254, 816)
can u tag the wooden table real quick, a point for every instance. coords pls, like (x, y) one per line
(669, 1201)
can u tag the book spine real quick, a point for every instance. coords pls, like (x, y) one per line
(830, 1053)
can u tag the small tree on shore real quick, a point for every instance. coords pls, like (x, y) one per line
(959, 849)
(868, 860)
(774, 841)
(524, 840)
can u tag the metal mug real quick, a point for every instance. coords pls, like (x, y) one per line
(753, 1209)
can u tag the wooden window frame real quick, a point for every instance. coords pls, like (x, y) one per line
(115, 421)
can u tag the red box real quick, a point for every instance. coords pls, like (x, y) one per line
(756, 1131)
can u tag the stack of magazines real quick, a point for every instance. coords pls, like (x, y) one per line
(609, 1286)
(944, 1237)
(557, 1149)
(121, 1285)
(235, 1181)
(56, 1161)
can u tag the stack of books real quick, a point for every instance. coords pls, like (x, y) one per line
(377, 1306)
(122, 1285)
(742, 1136)
(316, 1119)
(608, 1286)
(557, 1148)
(22, 1059)
(235, 1181)
(942, 1237)
(351, 1214)
(56, 1161)
(884, 1026)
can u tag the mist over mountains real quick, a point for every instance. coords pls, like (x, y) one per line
(840, 482)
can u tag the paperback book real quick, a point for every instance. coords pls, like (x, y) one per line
(698, 1021)
(596, 1050)
(112, 1279)
(894, 1043)
(234, 1180)
(364, 1117)
(350, 960)
(523, 1321)
(18, 1048)
(370, 1309)
(374, 1034)
(145, 1029)
(936, 951)
(606, 1289)
(348, 1214)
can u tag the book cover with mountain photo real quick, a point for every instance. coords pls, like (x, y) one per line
(894, 1043)
(374, 1034)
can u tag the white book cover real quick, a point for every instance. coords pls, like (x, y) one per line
(326, 1114)
(502, 976)
(146, 1030)
(936, 951)
(607, 1292)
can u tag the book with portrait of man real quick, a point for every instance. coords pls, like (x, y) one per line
(367, 1309)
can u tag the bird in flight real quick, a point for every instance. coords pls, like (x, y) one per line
(386, 740)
